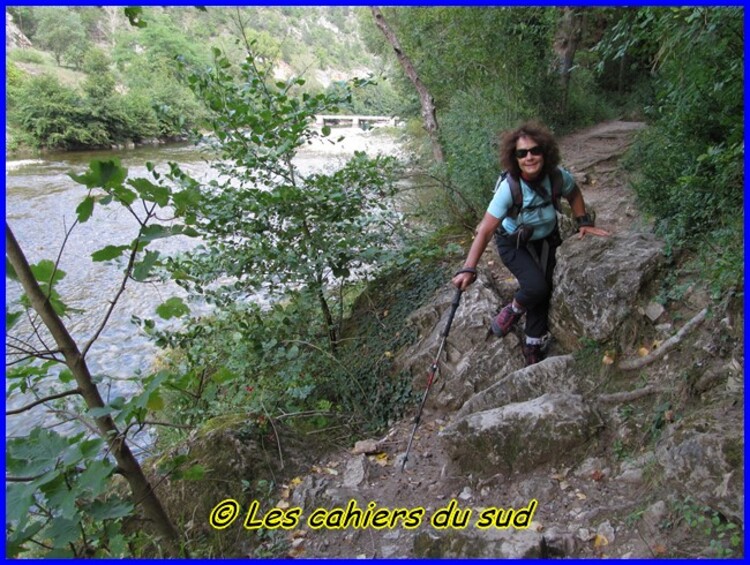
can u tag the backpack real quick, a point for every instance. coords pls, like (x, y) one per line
(515, 191)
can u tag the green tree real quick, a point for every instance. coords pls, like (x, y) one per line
(100, 82)
(690, 162)
(58, 30)
(56, 116)
(269, 223)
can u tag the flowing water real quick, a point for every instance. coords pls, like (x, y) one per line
(40, 207)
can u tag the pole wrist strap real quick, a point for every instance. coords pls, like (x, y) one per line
(468, 270)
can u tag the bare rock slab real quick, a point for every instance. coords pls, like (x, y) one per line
(522, 435)
(597, 284)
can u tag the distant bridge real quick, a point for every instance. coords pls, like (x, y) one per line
(364, 122)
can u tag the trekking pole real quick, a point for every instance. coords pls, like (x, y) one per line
(432, 373)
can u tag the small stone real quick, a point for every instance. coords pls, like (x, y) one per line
(466, 494)
(365, 446)
(605, 529)
(664, 329)
(653, 311)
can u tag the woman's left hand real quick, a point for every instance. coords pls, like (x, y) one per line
(583, 230)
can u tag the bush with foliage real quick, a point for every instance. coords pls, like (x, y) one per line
(690, 162)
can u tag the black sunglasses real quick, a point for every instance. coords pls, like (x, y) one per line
(536, 150)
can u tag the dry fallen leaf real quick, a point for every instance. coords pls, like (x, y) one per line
(643, 351)
(600, 541)
(284, 492)
(659, 550)
(388, 354)
(580, 495)
(296, 481)
(597, 475)
(283, 504)
(296, 552)
(608, 359)
(381, 459)
(536, 526)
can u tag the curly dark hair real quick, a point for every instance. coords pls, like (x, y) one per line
(539, 133)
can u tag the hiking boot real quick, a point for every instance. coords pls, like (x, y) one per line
(532, 352)
(504, 321)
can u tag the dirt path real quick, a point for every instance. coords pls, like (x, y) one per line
(592, 155)
(376, 477)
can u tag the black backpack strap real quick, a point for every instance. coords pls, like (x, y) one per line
(515, 192)
(556, 179)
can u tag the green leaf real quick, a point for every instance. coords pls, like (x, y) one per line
(222, 375)
(142, 269)
(150, 192)
(65, 376)
(173, 308)
(95, 478)
(155, 401)
(109, 509)
(194, 473)
(135, 16)
(10, 272)
(325, 131)
(99, 411)
(85, 209)
(44, 270)
(11, 318)
(102, 174)
(108, 253)
(19, 497)
(155, 231)
(124, 195)
(35, 453)
(63, 531)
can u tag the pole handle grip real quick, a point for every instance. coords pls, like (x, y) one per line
(454, 307)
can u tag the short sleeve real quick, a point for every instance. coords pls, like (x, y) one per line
(502, 200)
(569, 182)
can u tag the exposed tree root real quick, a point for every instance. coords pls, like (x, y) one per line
(628, 396)
(659, 352)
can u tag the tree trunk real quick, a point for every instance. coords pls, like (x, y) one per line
(327, 317)
(425, 98)
(568, 38)
(128, 465)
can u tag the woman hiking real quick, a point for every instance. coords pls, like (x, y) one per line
(522, 218)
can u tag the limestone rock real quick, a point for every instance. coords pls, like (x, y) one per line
(520, 436)
(472, 359)
(14, 37)
(704, 455)
(597, 281)
(551, 375)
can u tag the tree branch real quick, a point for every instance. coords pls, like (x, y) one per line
(42, 401)
(118, 294)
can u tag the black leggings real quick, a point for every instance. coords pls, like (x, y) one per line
(535, 283)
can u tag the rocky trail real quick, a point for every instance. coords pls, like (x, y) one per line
(577, 456)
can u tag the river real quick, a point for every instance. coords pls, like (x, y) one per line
(40, 205)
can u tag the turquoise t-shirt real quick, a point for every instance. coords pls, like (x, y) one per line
(542, 219)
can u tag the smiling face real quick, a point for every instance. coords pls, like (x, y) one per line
(531, 165)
